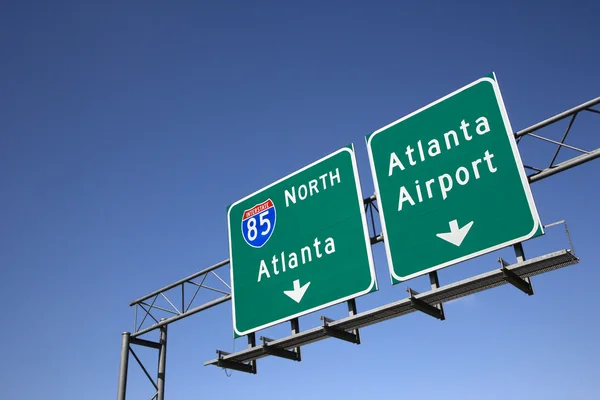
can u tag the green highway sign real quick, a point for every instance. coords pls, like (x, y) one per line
(299, 245)
(450, 183)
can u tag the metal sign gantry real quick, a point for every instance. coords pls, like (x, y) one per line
(207, 284)
(426, 302)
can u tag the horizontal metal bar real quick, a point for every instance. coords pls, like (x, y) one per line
(426, 308)
(237, 366)
(282, 353)
(433, 297)
(517, 281)
(145, 343)
(340, 334)
(180, 282)
(558, 117)
(573, 162)
(556, 142)
(193, 311)
(159, 308)
(214, 290)
(562, 221)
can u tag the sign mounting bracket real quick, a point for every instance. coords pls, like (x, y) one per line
(295, 323)
(235, 365)
(424, 307)
(351, 312)
(338, 333)
(278, 352)
(514, 279)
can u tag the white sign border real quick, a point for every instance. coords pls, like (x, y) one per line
(350, 150)
(519, 162)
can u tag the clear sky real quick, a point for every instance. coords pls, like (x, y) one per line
(127, 128)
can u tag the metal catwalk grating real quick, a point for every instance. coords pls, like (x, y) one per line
(488, 280)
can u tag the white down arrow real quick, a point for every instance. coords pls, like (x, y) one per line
(298, 293)
(456, 235)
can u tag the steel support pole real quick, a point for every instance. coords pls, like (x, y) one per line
(122, 389)
(162, 363)
(251, 344)
(295, 330)
(520, 254)
(434, 280)
(351, 312)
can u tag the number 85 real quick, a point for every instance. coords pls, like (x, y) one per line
(251, 225)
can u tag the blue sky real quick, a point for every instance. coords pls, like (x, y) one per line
(127, 128)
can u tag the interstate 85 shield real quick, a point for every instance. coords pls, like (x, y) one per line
(258, 223)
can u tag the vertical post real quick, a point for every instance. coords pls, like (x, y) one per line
(122, 389)
(296, 329)
(352, 311)
(183, 297)
(434, 280)
(252, 343)
(520, 253)
(162, 363)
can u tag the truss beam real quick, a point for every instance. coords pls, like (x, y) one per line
(558, 117)
(193, 311)
(563, 166)
(156, 313)
(553, 169)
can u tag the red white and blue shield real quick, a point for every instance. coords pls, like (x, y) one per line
(258, 223)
